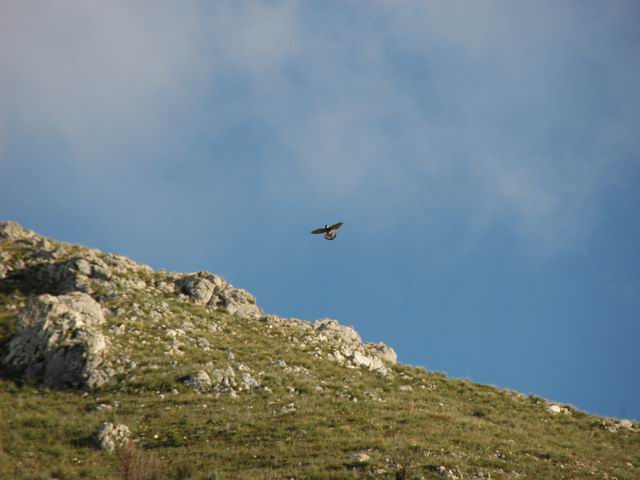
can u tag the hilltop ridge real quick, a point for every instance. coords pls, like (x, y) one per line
(96, 349)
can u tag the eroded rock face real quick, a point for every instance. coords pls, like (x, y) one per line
(205, 288)
(59, 344)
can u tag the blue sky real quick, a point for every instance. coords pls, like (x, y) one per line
(484, 156)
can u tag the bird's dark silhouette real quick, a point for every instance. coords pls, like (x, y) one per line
(328, 230)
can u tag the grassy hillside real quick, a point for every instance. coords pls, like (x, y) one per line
(310, 417)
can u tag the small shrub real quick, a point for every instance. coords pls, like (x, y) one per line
(136, 464)
(183, 472)
(59, 474)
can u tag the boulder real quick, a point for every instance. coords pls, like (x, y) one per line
(199, 381)
(361, 360)
(555, 409)
(58, 342)
(109, 436)
(198, 286)
(383, 352)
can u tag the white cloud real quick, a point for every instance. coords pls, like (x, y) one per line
(505, 110)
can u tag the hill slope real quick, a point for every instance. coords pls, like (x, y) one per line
(210, 387)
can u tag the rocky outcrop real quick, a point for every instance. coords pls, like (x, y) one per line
(332, 329)
(347, 348)
(86, 273)
(58, 342)
(205, 288)
(13, 231)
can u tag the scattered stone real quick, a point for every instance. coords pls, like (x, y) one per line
(445, 472)
(103, 407)
(225, 380)
(614, 425)
(297, 370)
(203, 344)
(360, 457)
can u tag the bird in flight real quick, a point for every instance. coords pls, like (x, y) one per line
(328, 230)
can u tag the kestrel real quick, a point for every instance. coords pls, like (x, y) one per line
(328, 230)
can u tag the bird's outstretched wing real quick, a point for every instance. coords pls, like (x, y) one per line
(335, 226)
(318, 231)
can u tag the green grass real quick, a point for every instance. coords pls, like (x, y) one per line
(476, 431)
(471, 429)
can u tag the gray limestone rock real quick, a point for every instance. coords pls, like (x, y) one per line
(229, 381)
(248, 382)
(205, 288)
(332, 329)
(383, 352)
(199, 381)
(86, 273)
(198, 286)
(348, 349)
(13, 231)
(58, 342)
(109, 436)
